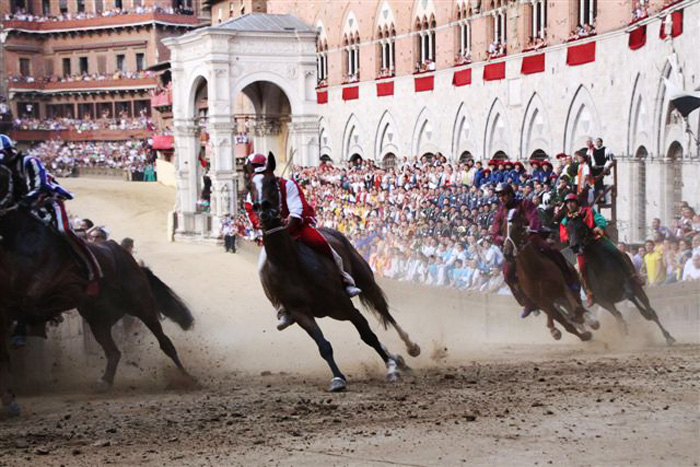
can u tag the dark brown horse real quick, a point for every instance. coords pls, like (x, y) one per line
(40, 278)
(309, 285)
(543, 282)
(611, 274)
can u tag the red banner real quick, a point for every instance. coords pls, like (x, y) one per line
(495, 71)
(580, 54)
(322, 97)
(677, 17)
(462, 77)
(532, 64)
(424, 83)
(351, 93)
(163, 141)
(385, 88)
(638, 37)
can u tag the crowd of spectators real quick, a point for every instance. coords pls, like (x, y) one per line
(86, 124)
(79, 77)
(428, 221)
(669, 254)
(63, 158)
(581, 31)
(23, 15)
(496, 49)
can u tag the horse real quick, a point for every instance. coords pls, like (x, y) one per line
(543, 282)
(610, 275)
(309, 286)
(41, 277)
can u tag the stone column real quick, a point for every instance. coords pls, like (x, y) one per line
(304, 147)
(186, 147)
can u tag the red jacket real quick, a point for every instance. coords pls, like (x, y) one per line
(292, 203)
(590, 217)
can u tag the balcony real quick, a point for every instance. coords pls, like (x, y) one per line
(51, 87)
(101, 22)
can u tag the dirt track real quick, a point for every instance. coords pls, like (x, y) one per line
(261, 398)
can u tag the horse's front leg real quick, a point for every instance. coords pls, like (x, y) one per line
(308, 323)
(9, 404)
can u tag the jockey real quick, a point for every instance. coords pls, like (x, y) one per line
(509, 209)
(300, 220)
(36, 190)
(597, 223)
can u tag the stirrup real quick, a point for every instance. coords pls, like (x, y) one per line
(352, 291)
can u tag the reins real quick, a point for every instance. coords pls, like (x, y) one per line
(274, 230)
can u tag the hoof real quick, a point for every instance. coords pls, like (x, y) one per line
(12, 409)
(591, 322)
(401, 364)
(586, 336)
(393, 377)
(414, 350)
(670, 340)
(103, 385)
(338, 385)
(556, 333)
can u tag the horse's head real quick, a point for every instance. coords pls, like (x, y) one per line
(579, 233)
(263, 187)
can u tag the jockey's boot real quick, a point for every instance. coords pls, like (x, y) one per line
(350, 288)
(285, 319)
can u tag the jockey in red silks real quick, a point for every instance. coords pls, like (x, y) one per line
(300, 219)
(512, 208)
(36, 190)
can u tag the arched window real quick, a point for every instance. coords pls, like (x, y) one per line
(322, 63)
(355, 159)
(538, 23)
(426, 44)
(587, 12)
(497, 48)
(464, 32)
(387, 52)
(465, 156)
(352, 58)
(326, 159)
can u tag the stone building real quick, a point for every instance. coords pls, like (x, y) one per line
(83, 59)
(384, 80)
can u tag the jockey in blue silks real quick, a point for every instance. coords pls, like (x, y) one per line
(35, 189)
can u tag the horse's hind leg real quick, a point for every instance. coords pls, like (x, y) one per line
(556, 333)
(370, 338)
(308, 324)
(150, 319)
(641, 301)
(101, 328)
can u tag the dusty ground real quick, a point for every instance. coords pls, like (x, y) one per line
(260, 398)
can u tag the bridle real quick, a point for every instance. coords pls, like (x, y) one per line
(274, 230)
(10, 191)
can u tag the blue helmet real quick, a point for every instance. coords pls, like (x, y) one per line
(7, 149)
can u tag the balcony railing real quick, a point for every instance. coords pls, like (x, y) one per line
(101, 22)
(162, 100)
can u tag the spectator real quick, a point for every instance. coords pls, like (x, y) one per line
(691, 271)
(654, 262)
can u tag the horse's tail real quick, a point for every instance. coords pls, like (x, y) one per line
(372, 295)
(168, 302)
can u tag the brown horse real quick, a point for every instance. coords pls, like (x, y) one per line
(40, 278)
(309, 285)
(611, 275)
(543, 282)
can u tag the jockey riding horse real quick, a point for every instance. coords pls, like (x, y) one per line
(36, 190)
(300, 221)
(513, 208)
